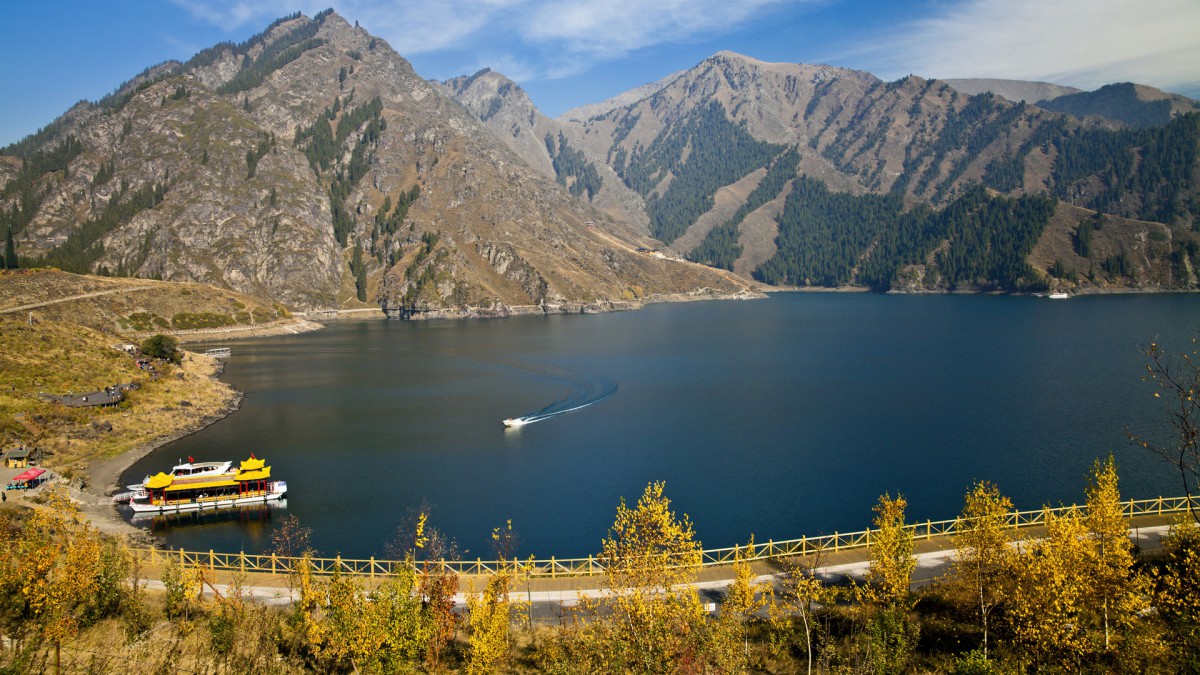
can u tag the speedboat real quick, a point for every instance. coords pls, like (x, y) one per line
(514, 422)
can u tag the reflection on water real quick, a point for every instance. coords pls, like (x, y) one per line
(253, 517)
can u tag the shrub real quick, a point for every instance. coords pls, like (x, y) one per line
(162, 347)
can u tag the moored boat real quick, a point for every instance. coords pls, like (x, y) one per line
(184, 471)
(251, 483)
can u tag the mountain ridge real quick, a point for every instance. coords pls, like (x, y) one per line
(427, 210)
(311, 164)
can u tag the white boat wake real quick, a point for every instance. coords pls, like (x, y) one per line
(587, 391)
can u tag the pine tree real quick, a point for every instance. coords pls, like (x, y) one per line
(10, 252)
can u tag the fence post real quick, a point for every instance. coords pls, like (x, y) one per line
(835, 539)
(553, 571)
(928, 530)
(590, 570)
(372, 568)
(242, 561)
(272, 563)
(212, 560)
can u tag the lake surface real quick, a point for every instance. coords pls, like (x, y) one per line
(781, 417)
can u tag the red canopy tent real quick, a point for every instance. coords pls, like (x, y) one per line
(26, 478)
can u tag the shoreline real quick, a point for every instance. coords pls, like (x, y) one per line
(101, 476)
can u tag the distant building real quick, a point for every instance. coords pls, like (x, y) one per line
(17, 459)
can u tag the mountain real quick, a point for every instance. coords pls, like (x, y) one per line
(311, 165)
(1136, 105)
(820, 176)
(1012, 90)
(585, 112)
(505, 109)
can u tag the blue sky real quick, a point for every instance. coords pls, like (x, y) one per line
(570, 52)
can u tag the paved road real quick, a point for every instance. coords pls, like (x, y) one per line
(550, 599)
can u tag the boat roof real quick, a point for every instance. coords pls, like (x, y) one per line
(167, 482)
(198, 466)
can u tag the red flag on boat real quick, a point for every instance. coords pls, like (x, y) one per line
(252, 456)
(191, 460)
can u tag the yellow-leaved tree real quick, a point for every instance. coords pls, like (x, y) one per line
(891, 554)
(649, 619)
(490, 613)
(1177, 594)
(983, 557)
(891, 634)
(800, 594)
(1118, 594)
(728, 642)
(1047, 607)
(51, 573)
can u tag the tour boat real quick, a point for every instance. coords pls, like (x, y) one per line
(1059, 296)
(184, 471)
(250, 484)
(514, 422)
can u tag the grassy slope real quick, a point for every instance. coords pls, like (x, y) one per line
(60, 353)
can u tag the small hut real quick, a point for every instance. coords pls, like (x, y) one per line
(17, 459)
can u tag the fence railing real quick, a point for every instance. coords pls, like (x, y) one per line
(595, 565)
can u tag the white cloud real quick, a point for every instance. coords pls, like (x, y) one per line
(1083, 43)
(544, 39)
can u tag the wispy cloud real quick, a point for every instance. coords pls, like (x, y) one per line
(544, 39)
(1084, 43)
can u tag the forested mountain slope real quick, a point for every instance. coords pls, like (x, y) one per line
(867, 180)
(311, 164)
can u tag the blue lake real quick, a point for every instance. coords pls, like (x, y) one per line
(781, 417)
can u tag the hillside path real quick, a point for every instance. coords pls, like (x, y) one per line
(82, 296)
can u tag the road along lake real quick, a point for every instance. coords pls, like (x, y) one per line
(780, 417)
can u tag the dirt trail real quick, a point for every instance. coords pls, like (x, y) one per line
(82, 296)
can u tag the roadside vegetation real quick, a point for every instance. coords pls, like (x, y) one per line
(1079, 600)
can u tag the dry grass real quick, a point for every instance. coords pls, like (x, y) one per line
(57, 358)
(129, 307)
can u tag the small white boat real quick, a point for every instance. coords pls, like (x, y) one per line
(1059, 296)
(514, 422)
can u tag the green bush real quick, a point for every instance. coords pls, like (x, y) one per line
(162, 347)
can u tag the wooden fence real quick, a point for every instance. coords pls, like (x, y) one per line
(595, 565)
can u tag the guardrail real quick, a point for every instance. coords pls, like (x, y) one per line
(595, 565)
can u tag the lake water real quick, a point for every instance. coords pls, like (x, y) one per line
(781, 417)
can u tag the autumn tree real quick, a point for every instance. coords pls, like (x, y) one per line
(1118, 591)
(729, 641)
(982, 554)
(289, 540)
(648, 619)
(1048, 604)
(1177, 593)
(49, 574)
(1176, 379)
(891, 635)
(490, 613)
(800, 595)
